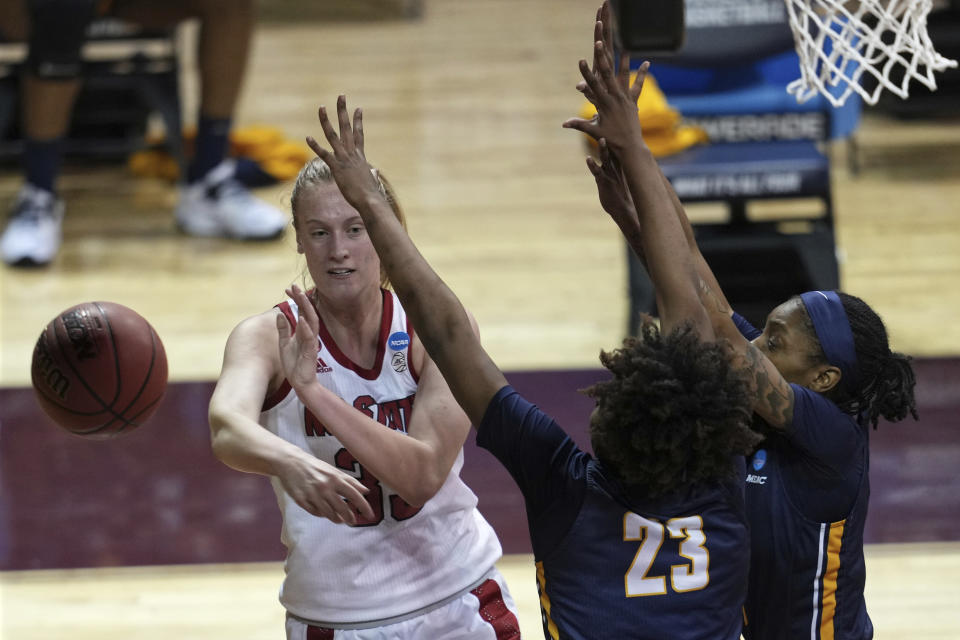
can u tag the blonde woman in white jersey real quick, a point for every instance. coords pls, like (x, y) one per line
(382, 541)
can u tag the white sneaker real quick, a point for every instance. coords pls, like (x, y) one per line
(35, 228)
(219, 206)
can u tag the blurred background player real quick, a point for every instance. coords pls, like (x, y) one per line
(357, 396)
(212, 202)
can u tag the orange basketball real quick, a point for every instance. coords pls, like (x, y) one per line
(99, 369)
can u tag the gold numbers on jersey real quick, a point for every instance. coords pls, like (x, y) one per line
(688, 576)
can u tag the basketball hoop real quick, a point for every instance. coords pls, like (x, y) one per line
(882, 38)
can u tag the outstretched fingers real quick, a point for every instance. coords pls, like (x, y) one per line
(328, 131)
(584, 126)
(604, 63)
(597, 31)
(592, 81)
(594, 167)
(638, 81)
(606, 164)
(599, 164)
(599, 81)
(597, 37)
(607, 31)
(604, 152)
(305, 307)
(346, 130)
(358, 129)
(315, 146)
(585, 90)
(332, 138)
(322, 153)
(623, 75)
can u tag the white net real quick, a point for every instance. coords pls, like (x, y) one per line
(864, 46)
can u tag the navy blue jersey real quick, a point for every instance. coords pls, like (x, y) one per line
(618, 566)
(807, 491)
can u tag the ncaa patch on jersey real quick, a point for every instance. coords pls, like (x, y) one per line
(398, 341)
(759, 459)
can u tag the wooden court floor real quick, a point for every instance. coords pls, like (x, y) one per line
(240, 600)
(462, 111)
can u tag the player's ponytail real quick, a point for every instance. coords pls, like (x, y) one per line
(887, 379)
(894, 397)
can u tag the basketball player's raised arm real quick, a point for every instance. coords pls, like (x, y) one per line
(665, 236)
(250, 366)
(615, 196)
(435, 312)
(616, 201)
(662, 240)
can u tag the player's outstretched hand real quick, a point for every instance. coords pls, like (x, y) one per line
(325, 491)
(346, 158)
(298, 349)
(614, 196)
(623, 70)
(612, 94)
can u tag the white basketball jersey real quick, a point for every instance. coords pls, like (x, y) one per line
(403, 560)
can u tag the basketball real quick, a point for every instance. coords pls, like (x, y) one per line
(99, 369)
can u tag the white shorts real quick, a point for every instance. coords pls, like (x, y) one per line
(486, 612)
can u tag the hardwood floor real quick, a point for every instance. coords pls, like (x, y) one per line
(240, 600)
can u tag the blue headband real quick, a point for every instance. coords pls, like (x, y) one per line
(833, 330)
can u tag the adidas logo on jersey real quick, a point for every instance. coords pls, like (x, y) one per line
(322, 366)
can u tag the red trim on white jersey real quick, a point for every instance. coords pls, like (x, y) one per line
(413, 365)
(277, 396)
(373, 372)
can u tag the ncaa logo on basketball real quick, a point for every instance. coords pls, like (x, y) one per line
(398, 341)
(759, 459)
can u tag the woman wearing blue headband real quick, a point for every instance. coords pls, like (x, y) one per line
(822, 371)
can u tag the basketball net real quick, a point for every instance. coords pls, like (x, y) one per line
(839, 41)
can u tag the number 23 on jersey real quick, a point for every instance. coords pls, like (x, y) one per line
(691, 575)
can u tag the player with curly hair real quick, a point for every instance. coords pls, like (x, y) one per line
(669, 389)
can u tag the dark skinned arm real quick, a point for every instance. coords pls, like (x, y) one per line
(442, 323)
